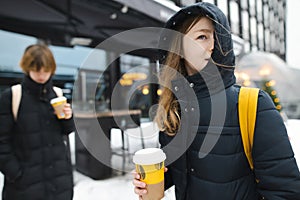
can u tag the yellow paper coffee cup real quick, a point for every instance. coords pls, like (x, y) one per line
(149, 164)
(58, 105)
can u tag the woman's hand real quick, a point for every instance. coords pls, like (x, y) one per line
(139, 186)
(68, 111)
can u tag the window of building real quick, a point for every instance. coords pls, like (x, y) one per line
(266, 15)
(253, 23)
(223, 6)
(260, 36)
(271, 20)
(209, 1)
(245, 24)
(234, 11)
(259, 10)
(252, 8)
(244, 4)
(135, 83)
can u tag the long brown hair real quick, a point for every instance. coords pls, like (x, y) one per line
(168, 112)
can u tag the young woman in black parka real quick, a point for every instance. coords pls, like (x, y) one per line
(201, 135)
(33, 155)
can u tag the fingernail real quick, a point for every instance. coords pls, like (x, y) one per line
(144, 191)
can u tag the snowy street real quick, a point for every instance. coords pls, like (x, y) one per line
(120, 186)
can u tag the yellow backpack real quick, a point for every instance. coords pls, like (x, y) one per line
(247, 106)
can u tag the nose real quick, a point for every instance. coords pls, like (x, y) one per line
(41, 75)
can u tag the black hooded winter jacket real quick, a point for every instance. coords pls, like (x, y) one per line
(223, 173)
(33, 155)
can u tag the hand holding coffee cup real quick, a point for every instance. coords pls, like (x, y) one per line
(150, 168)
(61, 107)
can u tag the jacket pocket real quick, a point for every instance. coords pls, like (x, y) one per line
(30, 175)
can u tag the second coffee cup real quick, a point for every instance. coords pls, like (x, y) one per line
(58, 104)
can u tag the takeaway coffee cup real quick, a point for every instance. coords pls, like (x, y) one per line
(149, 164)
(58, 105)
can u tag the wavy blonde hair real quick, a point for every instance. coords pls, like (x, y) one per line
(168, 112)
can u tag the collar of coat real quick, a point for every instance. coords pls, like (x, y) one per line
(37, 89)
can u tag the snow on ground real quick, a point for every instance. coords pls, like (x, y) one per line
(116, 188)
(293, 128)
(120, 186)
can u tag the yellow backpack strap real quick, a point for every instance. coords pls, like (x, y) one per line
(247, 116)
(58, 91)
(16, 98)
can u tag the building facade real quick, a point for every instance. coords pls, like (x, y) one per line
(260, 23)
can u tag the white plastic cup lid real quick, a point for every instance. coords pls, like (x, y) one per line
(149, 156)
(58, 99)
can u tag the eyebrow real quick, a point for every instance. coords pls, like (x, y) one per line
(204, 30)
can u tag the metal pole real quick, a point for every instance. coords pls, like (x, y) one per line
(264, 25)
(240, 19)
(284, 28)
(228, 10)
(257, 22)
(249, 23)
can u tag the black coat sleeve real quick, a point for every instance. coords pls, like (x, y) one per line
(68, 125)
(275, 166)
(163, 140)
(9, 164)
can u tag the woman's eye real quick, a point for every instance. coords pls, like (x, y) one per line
(202, 37)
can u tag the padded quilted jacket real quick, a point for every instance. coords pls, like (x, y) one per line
(33, 155)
